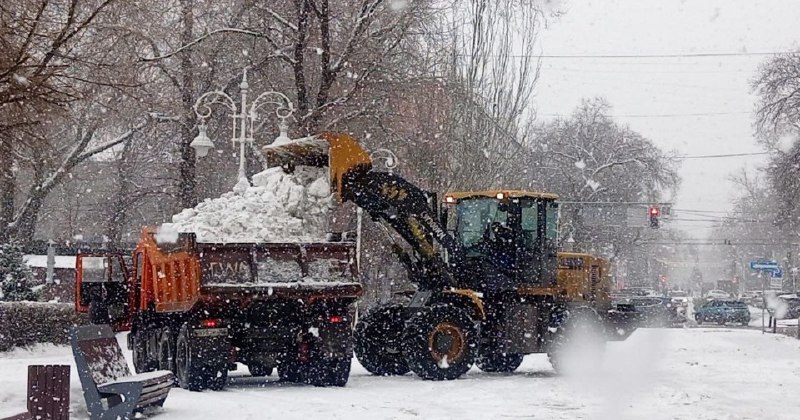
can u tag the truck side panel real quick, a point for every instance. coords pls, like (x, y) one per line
(170, 280)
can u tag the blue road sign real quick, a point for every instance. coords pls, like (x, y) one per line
(764, 265)
(777, 274)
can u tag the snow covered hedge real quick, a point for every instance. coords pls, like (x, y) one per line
(26, 323)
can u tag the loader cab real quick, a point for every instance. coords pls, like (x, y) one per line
(508, 236)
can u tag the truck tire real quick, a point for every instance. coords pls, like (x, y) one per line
(196, 373)
(187, 370)
(98, 313)
(141, 360)
(291, 370)
(328, 372)
(260, 369)
(499, 362)
(440, 342)
(166, 350)
(378, 341)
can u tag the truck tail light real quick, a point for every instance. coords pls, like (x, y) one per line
(210, 323)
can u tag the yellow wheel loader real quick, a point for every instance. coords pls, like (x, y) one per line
(491, 286)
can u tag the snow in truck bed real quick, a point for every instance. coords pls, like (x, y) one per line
(279, 207)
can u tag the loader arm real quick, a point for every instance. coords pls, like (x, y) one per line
(386, 197)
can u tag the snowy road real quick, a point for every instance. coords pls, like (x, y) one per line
(693, 373)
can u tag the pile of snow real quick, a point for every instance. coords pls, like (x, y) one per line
(279, 207)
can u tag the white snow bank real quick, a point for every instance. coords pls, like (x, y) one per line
(279, 207)
(40, 261)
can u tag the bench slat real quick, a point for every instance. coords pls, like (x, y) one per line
(151, 398)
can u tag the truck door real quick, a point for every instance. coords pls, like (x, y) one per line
(102, 289)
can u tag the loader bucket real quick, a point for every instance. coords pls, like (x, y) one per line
(338, 151)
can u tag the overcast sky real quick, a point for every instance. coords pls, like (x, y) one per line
(647, 93)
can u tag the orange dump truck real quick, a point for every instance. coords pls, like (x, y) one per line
(198, 308)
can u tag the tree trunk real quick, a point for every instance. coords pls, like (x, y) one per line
(187, 183)
(26, 228)
(7, 187)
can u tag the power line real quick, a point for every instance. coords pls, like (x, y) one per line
(706, 211)
(693, 114)
(719, 156)
(674, 55)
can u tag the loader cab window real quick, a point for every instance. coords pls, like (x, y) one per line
(551, 220)
(530, 222)
(475, 216)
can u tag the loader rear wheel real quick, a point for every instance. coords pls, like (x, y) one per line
(499, 362)
(378, 341)
(440, 342)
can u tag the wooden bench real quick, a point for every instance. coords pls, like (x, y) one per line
(105, 376)
(48, 393)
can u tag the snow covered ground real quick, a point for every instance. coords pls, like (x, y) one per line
(691, 373)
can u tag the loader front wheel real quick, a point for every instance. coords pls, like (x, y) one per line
(499, 362)
(440, 342)
(378, 341)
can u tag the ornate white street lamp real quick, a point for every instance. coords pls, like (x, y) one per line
(243, 121)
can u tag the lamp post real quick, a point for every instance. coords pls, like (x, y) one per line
(243, 121)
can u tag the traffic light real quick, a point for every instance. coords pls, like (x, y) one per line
(654, 213)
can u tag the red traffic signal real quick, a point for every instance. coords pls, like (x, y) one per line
(653, 213)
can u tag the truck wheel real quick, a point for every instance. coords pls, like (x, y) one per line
(377, 341)
(98, 313)
(329, 372)
(216, 379)
(187, 370)
(440, 342)
(291, 371)
(499, 362)
(141, 361)
(193, 370)
(166, 352)
(260, 369)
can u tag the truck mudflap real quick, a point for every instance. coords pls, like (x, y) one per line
(620, 324)
(333, 336)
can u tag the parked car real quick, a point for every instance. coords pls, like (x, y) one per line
(723, 311)
(785, 306)
(750, 297)
(655, 311)
(717, 294)
(679, 298)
